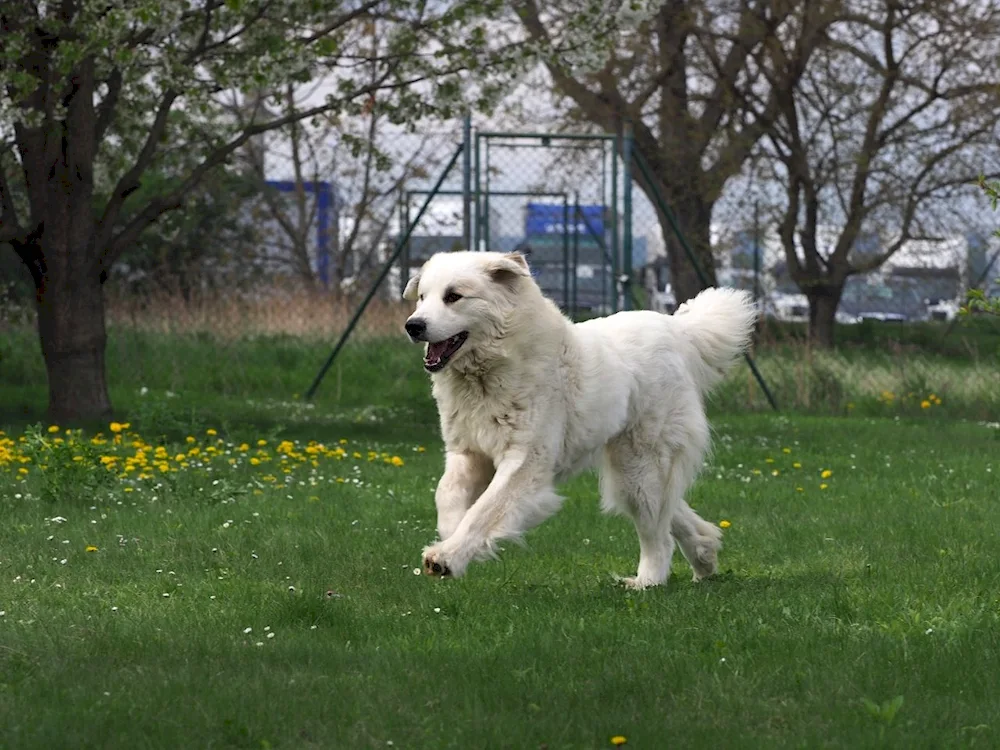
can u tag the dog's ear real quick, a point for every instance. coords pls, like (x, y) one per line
(507, 267)
(410, 293)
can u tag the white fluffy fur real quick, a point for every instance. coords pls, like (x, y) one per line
(531, 399)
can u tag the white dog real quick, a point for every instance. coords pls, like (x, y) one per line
(528, 399)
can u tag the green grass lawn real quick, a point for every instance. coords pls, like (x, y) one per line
(232, 603)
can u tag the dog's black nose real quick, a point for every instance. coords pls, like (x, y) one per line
(416, 328)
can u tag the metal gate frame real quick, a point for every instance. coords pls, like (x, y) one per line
(477, 201)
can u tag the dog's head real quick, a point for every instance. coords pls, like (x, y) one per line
(462, 301)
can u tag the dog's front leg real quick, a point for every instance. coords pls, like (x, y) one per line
(519, 497)
(466, 476)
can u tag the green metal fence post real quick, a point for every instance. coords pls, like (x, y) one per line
(565, 263)
(627, 239)
(467, 181)
(614, 225)
(756, 251)
(477, 197)
(486, 203)
(576, 252)
(405, 222)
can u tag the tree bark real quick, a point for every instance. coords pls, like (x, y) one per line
(823, 303)
(71, 329)
(694, 217)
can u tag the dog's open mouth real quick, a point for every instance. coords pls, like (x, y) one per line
(438, 354)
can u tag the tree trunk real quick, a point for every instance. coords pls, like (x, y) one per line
(71, 329)
(823, 303)
(694, 217)
(59, 166)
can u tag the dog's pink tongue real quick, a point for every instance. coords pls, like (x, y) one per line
(435, 352)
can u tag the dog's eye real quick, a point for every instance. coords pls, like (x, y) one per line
(451, 297)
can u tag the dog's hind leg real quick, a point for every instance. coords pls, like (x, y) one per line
(699, 540)
(466, 476)
(632, 482)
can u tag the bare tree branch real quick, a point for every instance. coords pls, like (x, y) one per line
(173, 200)
(129, 182)
(10, 223)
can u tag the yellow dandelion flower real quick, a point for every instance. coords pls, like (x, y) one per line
(340, 480)
(786, 451)
(925, 404)
(129, 489)
(189, 439)
(824, 486)
(724, 524)
(796, 465)
(826, 474)
(397, 461)
(421, 449)
(90, 548)
(243, 448)
(356, 455)
(799, 489)
(261, 442)
(22, 470)
(53, 428)
(618, 740)
(769, 460)
(116, 427)
(343, 441)
(211, 432)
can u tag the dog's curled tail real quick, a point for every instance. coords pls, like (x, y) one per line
(718, 323)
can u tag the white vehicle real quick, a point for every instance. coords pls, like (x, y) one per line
(664, 301)
(791, 308)
(941, 309)
(882, 317)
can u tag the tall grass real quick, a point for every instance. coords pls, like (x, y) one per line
(255, 346)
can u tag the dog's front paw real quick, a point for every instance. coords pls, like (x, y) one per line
(635, 583)
(436, 562)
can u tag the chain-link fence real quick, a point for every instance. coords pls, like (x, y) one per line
(251, 297)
